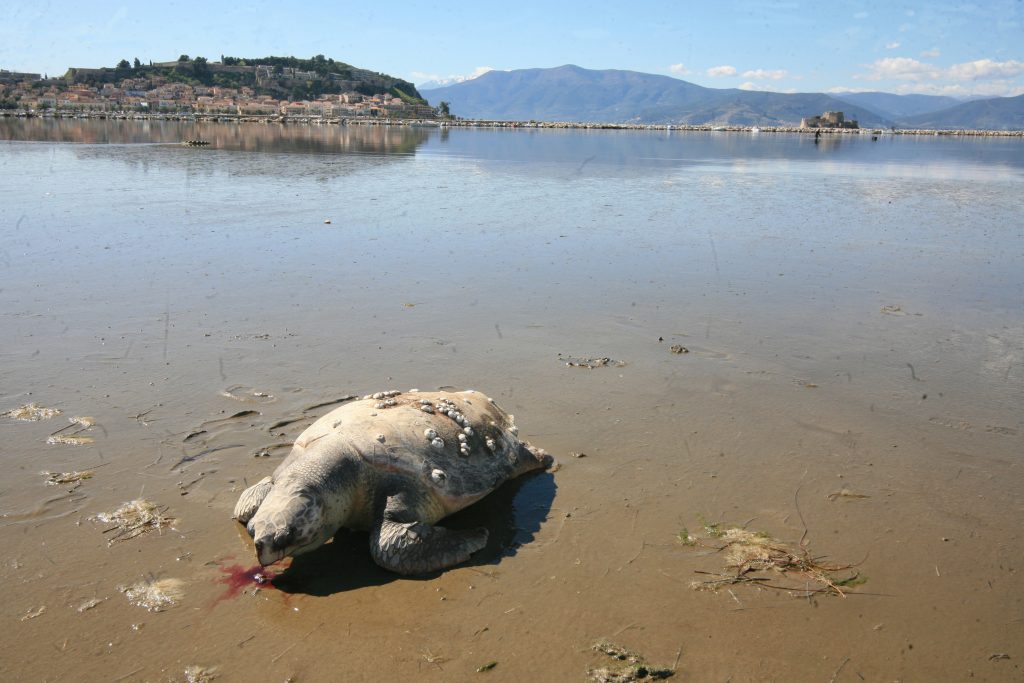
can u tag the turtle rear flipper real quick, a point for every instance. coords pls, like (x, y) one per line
(251, 499)
(405, 545)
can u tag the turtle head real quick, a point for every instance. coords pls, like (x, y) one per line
(288, 523)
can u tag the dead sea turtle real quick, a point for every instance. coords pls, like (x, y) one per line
(393, 464)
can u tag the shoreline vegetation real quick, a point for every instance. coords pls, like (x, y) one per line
(479, 123)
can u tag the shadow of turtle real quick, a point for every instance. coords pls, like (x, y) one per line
(512, 515)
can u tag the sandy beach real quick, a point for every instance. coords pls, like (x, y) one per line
(848, 381)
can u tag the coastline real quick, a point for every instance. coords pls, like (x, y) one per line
(483, 123)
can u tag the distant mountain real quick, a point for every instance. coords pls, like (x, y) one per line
(756, 108)
(571, 93)
(999, 113)
(895, 107)
(566, 93)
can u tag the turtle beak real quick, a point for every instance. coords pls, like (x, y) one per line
(268, 552)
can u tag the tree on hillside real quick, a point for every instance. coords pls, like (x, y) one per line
(137, 64)
(443, 109)
(183, 58)
(200, 67)
(123, 64)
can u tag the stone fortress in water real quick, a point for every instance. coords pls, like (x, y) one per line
(830, 119)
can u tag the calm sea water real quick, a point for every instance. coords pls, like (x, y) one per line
(781, 238)
(853, 313)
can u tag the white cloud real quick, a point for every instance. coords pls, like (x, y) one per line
(724, 70)
(679, 69)
(839, 89)
(909, 69)
(932, 53)
(983, 77)
(762, 74)
(437, 80)
(892, 46)
(986, 89)
(900, 68)
(985, 69)
(749, 86)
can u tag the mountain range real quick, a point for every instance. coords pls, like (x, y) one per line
(572, 93)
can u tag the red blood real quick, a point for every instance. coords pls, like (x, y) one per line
(237, 578)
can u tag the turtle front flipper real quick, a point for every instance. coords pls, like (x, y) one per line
(251, 499)
(402, 544)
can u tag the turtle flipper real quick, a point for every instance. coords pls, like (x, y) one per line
(251, 498)
(405, 545)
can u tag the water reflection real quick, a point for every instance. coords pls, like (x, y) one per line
(570, 153)
(554, 153)
(249, 149)
(246, 137)
(270, 162)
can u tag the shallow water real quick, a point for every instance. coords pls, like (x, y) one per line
(853, 311)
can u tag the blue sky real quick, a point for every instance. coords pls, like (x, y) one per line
(942, 48)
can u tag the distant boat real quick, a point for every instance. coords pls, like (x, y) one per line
(755, 129)
(196, 143)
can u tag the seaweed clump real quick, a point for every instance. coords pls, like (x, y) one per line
(749, 555)
(75, 438)
(59, 478)
(31, 412)
(133, 519)
(155, 595)
(626, 667)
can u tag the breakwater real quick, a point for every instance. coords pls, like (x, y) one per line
(478, 123)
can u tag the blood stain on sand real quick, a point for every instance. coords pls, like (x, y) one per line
(238, 578)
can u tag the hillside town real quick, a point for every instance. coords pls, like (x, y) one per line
(156, 93)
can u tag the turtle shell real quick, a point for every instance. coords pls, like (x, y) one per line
(460, 445)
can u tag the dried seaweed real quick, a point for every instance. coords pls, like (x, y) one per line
(155, 595)
(247, 394)
(200, 674)
(629, 666)
(69, 440)
(58, 478)
(133, 519)
(31, 412)
(846, 494)
(74, 438)
(88, 604)
(33, 613)
(590, 363)
(749, 555)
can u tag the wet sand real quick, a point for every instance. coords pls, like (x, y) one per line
(872, 350)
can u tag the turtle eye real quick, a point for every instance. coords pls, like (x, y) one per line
(285, 538)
